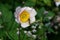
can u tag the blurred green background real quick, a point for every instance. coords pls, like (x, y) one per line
(48, 15)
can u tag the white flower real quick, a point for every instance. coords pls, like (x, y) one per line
(25, 16)
(57, 2)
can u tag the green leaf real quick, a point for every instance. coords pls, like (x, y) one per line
(14, 26)
(40, 13)
(47, 2)
(43, 37)
(50, 30)
(2, 32)
(12, 35)
(49, 16)
(30, 3)
(23, 36)
(41, 32)
(13, 31)
(0, 21)
(7, 16)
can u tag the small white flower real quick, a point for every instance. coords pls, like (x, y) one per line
(57, 2)
(58, 19)
(45, 12)
(17, 28)
(25, 31)
(36, 24)
(25, 16)
(56, 27)
(29, 33)
(20, 28)
(34, 30)
(1, 26)
(18, 32)
(49, 17)
(23, 2)
(40, 27)
(34, 36)
(59, 24)
(33, 27)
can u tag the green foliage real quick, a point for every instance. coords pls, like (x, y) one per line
(47, 2)
(30, 3)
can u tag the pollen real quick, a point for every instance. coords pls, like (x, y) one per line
(24, 16)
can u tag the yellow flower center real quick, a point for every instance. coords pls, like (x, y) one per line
(24, 16)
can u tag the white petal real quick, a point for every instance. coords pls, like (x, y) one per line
(17, 11)
(18, 8)
(31, 11)
(17, 20)
(32, 19)
(57, 3)
(24, 25)
(22, 9)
